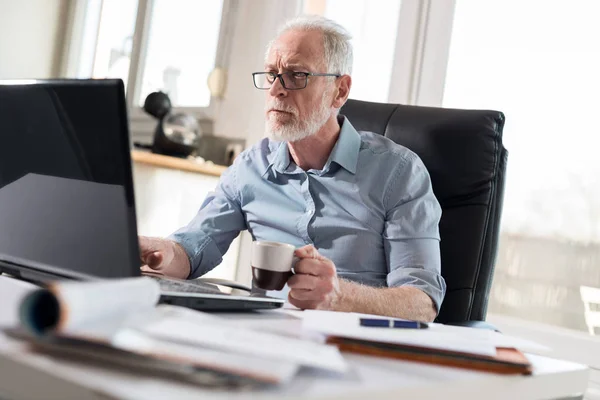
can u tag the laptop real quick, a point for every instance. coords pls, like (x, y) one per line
(67, 207)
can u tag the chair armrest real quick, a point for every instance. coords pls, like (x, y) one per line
(475, 324)
(226, 282)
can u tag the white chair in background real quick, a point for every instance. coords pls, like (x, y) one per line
(591, 303)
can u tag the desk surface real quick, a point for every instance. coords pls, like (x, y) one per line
(183, 164)
(27, 375)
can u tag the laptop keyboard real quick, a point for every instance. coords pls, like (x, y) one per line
(192, 286)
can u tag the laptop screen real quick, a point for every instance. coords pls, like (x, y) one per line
(66, 193)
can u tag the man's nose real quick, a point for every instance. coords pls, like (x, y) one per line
(277, 89)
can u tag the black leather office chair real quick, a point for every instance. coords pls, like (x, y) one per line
(463, 151)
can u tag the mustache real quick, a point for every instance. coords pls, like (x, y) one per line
(279, 106)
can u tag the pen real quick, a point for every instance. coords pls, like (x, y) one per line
(391, 323)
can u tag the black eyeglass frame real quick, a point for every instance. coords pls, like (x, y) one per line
(281, 80)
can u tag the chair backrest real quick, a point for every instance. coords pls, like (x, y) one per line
(591, 303)
(463, 152)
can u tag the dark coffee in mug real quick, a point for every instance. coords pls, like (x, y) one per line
(270, 280)
(271, 264)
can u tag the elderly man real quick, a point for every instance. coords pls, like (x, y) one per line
(358, 207)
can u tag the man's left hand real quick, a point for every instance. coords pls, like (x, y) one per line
(315, 284)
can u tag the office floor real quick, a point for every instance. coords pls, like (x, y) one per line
(565, 343)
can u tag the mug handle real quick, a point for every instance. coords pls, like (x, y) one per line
(294, 261)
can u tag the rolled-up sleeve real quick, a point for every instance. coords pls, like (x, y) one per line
(218, 222)
(411, 232)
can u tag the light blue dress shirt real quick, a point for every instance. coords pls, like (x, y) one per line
(371, 210)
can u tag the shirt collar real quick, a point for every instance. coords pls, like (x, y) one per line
(278, 158)
(345, 152)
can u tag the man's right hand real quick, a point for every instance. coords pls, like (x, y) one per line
(163, 257)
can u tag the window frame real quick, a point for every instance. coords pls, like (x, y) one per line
(142, 125)
(422, 51)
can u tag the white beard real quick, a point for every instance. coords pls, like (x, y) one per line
(297, 129)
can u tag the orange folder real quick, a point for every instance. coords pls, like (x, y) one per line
(506, 360)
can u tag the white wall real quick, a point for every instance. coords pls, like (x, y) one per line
(241, 112)
(30, 37)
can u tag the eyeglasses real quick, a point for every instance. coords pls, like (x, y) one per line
(289, 80)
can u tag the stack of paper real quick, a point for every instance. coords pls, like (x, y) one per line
(195, 328)
(445, 337)
(448, 345)
(110, 320)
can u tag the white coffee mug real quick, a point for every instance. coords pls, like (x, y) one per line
(272, 264)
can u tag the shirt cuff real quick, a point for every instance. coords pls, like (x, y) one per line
(204, 255)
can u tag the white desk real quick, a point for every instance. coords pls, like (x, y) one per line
(29, 376)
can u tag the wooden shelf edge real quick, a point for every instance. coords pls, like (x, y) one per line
(158, 160)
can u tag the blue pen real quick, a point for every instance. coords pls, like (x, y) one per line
(391, 323)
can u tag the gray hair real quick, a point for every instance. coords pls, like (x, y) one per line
(336, 41)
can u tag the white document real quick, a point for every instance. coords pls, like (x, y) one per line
(200, 329)
(12, 292)
(496, 338)
(348, 325)
(266, 370)
(524, 345)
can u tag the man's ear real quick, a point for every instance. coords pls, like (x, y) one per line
(343, 91)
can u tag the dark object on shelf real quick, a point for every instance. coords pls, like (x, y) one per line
(177, 134)
(157, 104)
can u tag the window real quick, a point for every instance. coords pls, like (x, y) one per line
(373, 26)
(538, 62)
(181, 50)
(150, 44)
(110, 52)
